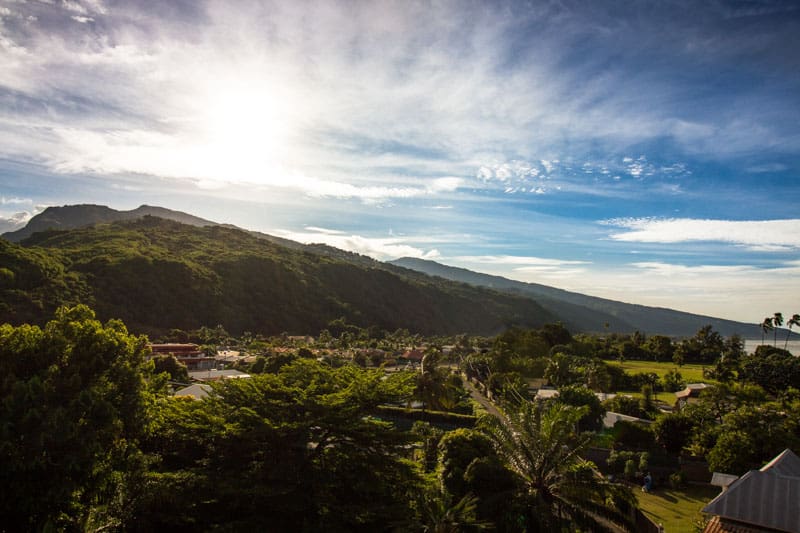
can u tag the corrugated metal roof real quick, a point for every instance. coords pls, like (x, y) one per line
(769, 497)
(787, 463)
(197, 391)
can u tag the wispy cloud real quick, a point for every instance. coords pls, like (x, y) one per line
(761, 235)
(381, 248)
(177, 93)
(15, 201)
(526, 268)
(16, 220)
(517, 260)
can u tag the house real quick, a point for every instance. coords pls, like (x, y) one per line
(214, 375)
(611, 418)
(546, 394)
(177, 349)
(198, 391)
(413, 356)
(187, 353)
(689, 394)
(761, 501)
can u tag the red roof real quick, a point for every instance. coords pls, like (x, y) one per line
(413, 355)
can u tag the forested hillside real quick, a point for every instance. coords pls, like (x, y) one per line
(588, 313)
(157, 274)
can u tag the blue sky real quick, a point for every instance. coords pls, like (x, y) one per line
(643, 151)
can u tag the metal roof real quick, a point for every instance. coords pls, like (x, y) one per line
(769, 497)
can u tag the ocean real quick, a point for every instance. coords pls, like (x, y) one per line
(750, 345)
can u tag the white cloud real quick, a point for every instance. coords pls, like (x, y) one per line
(525, 268)
(15, 201)
(515, 260)
(15, 221)
(325, 231)
(767, 168)
(286, 98)
(761, 235)
(445, 184)
(381, 248)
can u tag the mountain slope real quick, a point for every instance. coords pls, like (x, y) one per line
(157, 274)
(79, 216)
(588, 313)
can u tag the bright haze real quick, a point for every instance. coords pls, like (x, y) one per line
(643, 151)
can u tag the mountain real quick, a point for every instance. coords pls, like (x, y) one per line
(580, 312)
(79, 216)
(158, 274)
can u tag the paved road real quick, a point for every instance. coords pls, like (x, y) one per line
(484, 401)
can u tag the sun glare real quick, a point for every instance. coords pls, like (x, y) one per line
(245, 129)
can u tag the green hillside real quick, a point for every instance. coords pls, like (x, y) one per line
(588, 313)
(158, 274)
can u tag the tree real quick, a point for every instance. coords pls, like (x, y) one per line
(561, 371)
(540, 445)
(777, 321)
(704, 347)
(772, 368)
(673, 431)
(299, 450)
(176, 370)
(673, 381)
(457, 450)
(441, 513)
(73, 409)
(577, 396)
(661, 347)
(766, 326)
(794, 321)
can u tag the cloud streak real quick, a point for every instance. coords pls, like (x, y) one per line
(760, 235)
(381, 248)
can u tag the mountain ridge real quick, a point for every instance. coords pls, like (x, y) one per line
(158, 274)
(592, 311)
(578, 311)
(81, 215)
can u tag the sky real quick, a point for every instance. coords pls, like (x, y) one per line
(644, 151)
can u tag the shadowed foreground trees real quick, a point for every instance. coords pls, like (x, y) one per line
(90, 441)
(72, 412)
(562, 491)
(292, 451)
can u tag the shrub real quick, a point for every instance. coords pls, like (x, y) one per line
(677, 479)
(630, 469)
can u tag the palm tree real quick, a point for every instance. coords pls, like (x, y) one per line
(794, 321)
(541, 447)
(777, 321)
(439, 513)
(766, 326)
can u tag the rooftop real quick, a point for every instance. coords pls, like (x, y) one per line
(766, 498)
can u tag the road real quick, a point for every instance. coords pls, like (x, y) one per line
(484, 401)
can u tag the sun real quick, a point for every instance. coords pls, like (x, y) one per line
(245, 130)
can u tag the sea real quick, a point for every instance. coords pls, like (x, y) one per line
(793, 346)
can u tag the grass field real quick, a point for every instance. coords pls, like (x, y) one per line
(676, 510)
(690, 373)
(664, 397)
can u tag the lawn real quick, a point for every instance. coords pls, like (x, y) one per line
(665, 397)
(677, 510)
(690, 373)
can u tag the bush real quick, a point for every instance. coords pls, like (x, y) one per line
(633, 435)
(677, 479)
(630, 469)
